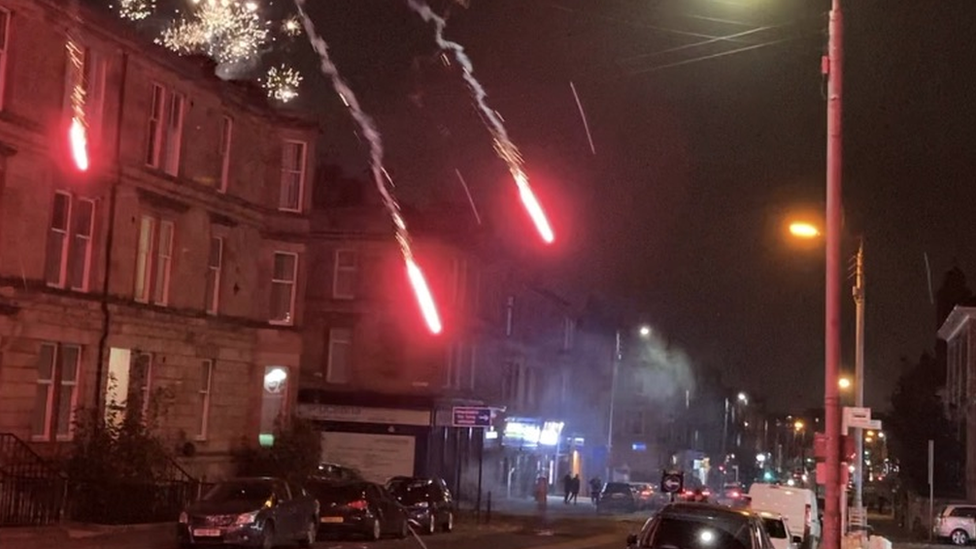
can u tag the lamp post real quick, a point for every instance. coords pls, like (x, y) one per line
(859, 379)
(645, 333)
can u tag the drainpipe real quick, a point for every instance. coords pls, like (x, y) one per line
(109, 242)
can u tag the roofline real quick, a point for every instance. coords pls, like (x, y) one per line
(956, 321)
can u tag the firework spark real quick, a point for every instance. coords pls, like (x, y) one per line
(78, 130)
(228, 31)
(136, 10)
(506, 150)
(292, 26)
(368, 128)
(282, 83)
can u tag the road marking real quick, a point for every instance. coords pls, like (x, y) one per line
(584, 543)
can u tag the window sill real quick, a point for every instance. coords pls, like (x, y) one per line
(289, 210)
(281, 323)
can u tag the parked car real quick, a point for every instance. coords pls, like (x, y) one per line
(428, 502)
(956, 523)
(358, 507)
(334, 471)
(262, 512)
(701, 526)
(779, 531)
(617, 496)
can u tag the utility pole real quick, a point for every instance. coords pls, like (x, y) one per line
(832, 66)
(859, 379)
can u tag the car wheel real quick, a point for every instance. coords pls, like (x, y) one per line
(449, 523)
(959, 537)
(375, 531)
(267, 536)
(311, 532)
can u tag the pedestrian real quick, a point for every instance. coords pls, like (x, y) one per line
(574, 488)
(567, 488)
(595, 485)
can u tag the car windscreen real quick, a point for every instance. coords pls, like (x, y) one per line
(775, 528)
(411, 493)
(252, 490)
(617, 488)
(701, 533)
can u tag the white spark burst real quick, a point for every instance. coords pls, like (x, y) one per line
(228, 31)
(291, 26)
(282, 83)
(136, 10)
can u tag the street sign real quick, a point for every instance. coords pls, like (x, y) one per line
(672, 482)
(472, 416)
(859, 418)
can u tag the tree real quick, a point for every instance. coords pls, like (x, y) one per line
(917, 416)
(295, 453)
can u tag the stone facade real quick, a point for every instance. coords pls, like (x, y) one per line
(177, 256)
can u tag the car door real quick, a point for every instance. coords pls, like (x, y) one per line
(284, 511)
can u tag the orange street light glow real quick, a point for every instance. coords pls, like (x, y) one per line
(844, 383)
(802, 229)
(424, 297)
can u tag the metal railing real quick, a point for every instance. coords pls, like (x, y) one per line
(32, 491)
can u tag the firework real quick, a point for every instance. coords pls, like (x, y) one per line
(228, 31)
(78, 131)
(292, 26)
(380, 177)
(136, 10)
(282, 83)
(504, 146)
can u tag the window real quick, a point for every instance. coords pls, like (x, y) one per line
(292, 176)
(344, 280)
(283, 287)
(174, 133)
(226, 133)
(89, 77)
(56, 398)
(510, 316)
(155, 127)
(4, 47)
(129, 384)
(154, 259)
(340, 355)
(203, 398)
(214, 265)
(569, 333)
(69, 245)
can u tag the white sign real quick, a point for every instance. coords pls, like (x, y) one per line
(859, 418)
(357, 414)
(377, 457)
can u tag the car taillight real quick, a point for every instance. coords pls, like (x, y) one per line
(734, 495)
(359, 504)
(706, 493)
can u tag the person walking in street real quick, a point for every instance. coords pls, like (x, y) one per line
(567, 488)
(574, 489)
(595, 485)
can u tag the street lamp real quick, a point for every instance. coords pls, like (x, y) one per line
(645, 331)
(802, 229)
(844, 383)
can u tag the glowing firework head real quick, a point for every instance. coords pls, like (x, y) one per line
(282, 83)
(532, 205)
(424, 297)
(291, 26)
(136, 10)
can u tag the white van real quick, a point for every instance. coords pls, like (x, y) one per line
(797, 505)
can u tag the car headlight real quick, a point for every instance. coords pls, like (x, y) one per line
(184, 519)
(421, 505)
(247, 518)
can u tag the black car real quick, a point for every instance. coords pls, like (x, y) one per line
(261, 512)
(428, 502)
(701, 526)
(358, 507)
(617, 496)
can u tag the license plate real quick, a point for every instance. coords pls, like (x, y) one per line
(331, 520)
(206, 533)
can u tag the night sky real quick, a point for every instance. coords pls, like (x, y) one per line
(699, 162)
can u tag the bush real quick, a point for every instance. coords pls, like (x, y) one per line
(295, 453)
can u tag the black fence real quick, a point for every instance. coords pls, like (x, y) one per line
(32, 491)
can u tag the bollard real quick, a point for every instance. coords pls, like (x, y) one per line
(488, 509)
